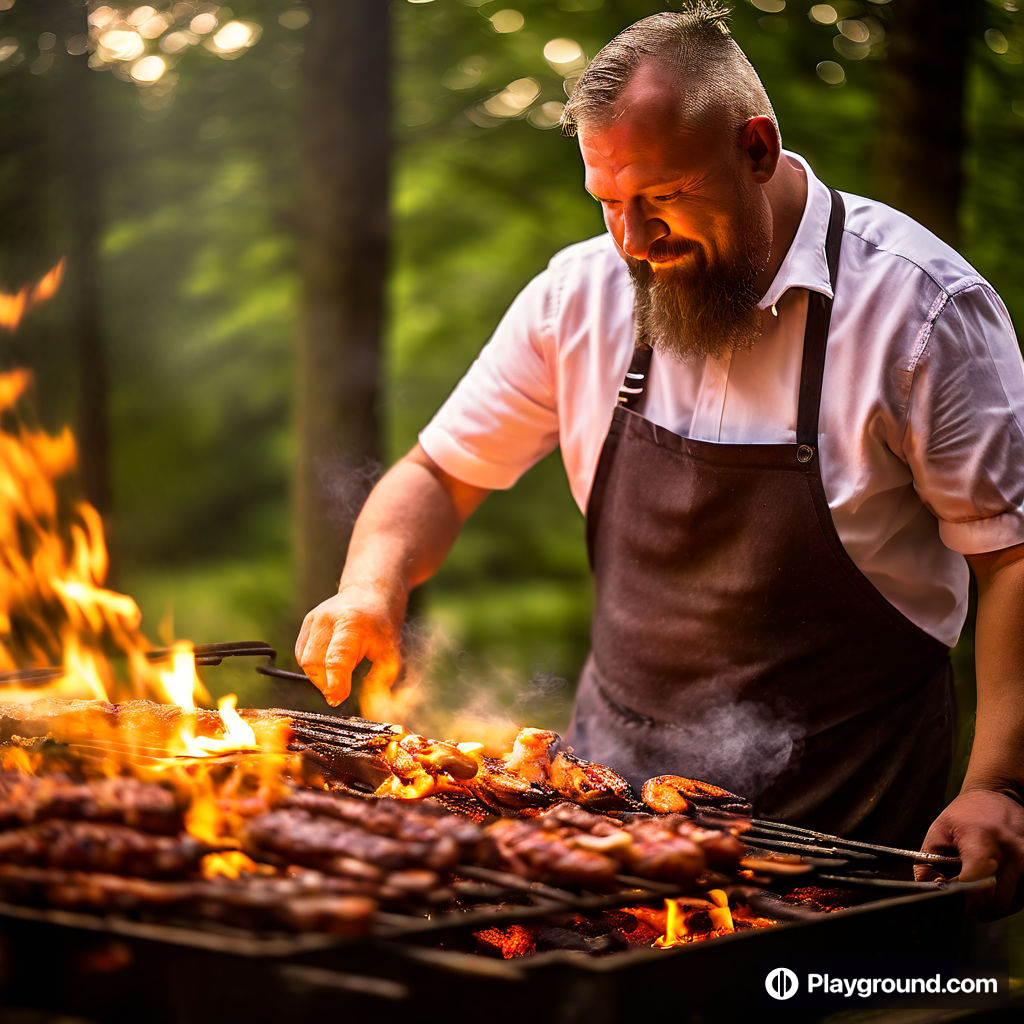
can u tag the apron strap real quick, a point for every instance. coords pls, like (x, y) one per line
(631, 393)
(819, 314)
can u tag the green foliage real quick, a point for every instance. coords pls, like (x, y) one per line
(200, 291)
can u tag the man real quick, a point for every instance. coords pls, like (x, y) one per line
(816, 413)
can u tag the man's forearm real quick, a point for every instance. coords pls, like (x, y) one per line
(407, 526)
(997, 755)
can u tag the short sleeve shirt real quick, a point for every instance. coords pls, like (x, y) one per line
(921, 431)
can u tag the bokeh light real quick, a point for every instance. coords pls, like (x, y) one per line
(295, 17)
(121, 45)
(513, 99)
(507, 20)
(203, 24)
(235, 36)
(564, 55)
(148, 70)
(831, 73)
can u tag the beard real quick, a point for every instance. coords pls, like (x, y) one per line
(701, 308)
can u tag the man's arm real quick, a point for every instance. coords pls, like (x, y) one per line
(985, 823)
(402, 535)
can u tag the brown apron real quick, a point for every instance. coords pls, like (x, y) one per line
(734, 639)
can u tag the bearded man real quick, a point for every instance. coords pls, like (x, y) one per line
(792, 418)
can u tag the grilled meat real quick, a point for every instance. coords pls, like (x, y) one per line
(534, 852)
(666, 788)
(663, 793)
(298, 837)
(424, 821)
(92, 846)
(591, 784)
(299, 904)
(25, 799)
(530, 757)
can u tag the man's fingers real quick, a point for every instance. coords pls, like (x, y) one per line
(344, 652)
(303, 638)
(980, 855)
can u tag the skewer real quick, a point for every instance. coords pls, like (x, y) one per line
(506, 880)
(774, 827)
(346, 722)
(811, 848)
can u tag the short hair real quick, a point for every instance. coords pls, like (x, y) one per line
(716, 81)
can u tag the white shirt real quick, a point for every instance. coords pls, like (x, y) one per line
(921, 434)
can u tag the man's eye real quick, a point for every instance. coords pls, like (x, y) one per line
(609, 202)
(674, 195)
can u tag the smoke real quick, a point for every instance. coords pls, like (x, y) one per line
(345, 485)
(743, 746)
(443, 692)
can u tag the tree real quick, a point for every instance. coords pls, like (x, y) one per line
(920, 137)
(343, 255)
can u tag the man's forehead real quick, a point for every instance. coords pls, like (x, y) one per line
(651, 109)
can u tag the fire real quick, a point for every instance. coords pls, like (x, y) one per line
(230, 864)
(14, 307)
(83, 640)
(693, 919)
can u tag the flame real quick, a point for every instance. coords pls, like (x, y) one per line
(721, 918)
(681, 915)
(57, 616)
(14, 306)
(229, 864)
(676, 932)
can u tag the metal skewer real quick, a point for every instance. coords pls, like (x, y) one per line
(843, 846)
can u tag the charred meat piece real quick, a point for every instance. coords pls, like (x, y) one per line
(25, 799)
(298, 837)
(293, 904)
(423, 821)
(577, 817)
(657, 851)
(530, 756)
(504, 790)
(93, 846)
(591, 784)
(697, 792)
(434, 756)
(664, 793)
(721, 847)
(532, 851)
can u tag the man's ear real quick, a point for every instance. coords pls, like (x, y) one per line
(759, 140)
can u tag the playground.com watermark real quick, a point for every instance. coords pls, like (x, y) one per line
(884, 982)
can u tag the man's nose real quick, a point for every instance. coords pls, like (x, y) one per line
(641, 229)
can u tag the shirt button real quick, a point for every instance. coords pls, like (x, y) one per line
(804, 453)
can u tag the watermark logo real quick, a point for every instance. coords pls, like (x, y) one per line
(782, 983)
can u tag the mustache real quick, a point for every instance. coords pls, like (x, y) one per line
(663, 250)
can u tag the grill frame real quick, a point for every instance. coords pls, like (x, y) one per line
(110, 969)
(114, 968)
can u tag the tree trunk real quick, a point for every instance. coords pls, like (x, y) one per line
(343, 260)
(80, 186)
(920, 140)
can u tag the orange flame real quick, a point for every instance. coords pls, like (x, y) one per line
(56, 615)
(680, 914)
(14, 307)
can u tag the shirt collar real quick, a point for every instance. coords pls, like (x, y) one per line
(805, 265)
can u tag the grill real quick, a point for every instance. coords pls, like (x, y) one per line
(119, 968)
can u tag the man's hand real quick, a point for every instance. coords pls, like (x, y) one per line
(407, 526)
(340, 632)
(985, 829)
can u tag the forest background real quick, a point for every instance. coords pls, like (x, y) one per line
(289, 227)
